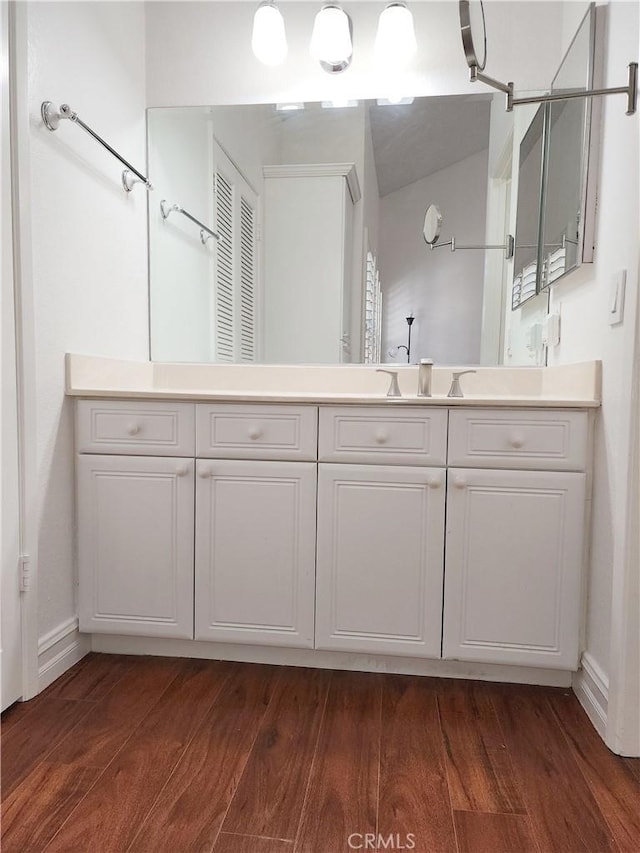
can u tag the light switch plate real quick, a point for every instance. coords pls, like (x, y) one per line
(551, 330)
(616, 298)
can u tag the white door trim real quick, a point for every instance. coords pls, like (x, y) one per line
(623, 712)
(25, 334)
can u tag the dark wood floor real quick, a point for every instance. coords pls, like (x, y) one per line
(158, 754)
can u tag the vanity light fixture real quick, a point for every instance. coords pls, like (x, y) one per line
(331, 40)
(268, 39)
(395, 43)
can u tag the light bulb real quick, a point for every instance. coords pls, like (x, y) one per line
(268, 40)
(396, 38)
(331, 38)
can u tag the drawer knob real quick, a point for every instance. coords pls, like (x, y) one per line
(434, 481)
(255, 433)
(133, 429)
(382, 436)
(182, 471)
(460, 482)
(205, 472)
(516, 440)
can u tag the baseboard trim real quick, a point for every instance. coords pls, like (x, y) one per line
(59, 650)
(280, 656)
(591, 686)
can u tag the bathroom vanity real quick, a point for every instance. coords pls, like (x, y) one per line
(257, 525)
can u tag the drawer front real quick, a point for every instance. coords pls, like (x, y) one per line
(139, 428)
(225, 431)
(537, 440)
(383, 436)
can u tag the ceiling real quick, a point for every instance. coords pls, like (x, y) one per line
(415, 140)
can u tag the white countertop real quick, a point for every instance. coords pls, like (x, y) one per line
(565, 386)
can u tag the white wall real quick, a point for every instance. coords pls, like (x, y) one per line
(583, 302)
(442, 288)
(88, 241)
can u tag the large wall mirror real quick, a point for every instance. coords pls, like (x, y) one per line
(319, 211)
(292, 232)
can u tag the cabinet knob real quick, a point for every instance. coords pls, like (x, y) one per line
(205, 472)
(460, 482)
(255, 433)
(382, 436)
(434, 481)
(182, 471)
(133, 429)
(516, 440)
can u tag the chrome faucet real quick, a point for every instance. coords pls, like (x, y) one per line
(456, 390)
(394, 389)
(424, 377)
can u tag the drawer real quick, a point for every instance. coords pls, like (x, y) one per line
(384, 436)
(542, 440)
(226, 431)
(137, 428)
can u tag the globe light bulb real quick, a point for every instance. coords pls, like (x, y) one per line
(268, 40)
(395, 43)
(331, 37)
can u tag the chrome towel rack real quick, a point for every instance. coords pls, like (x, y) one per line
(205, 232)
(51, 117)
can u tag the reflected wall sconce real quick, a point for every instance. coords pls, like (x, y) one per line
(395, 43)
(332, 39)
(269, 39)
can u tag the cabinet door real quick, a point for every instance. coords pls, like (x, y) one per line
(255, 544)
(380, 559)
(135, 545)
(513, 568)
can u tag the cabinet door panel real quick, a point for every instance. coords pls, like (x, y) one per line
(380, 556)
(255, 545)
(513, 568)
(135, 545)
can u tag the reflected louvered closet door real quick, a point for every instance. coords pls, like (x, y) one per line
(236, 279)
(247, 280)
(224, 319)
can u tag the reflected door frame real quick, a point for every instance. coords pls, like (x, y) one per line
(497, 271)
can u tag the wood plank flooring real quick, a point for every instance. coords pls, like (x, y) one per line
(160, 755)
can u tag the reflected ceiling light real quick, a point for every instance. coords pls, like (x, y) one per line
(396, 37)
(338, 104)
(393, 101)
(268, 40)
(290, 106)
(331, 42)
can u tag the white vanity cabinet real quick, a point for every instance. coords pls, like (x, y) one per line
(135, 518)
(416, 531)
(381, 530)
(515, 534)
(255, 524)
